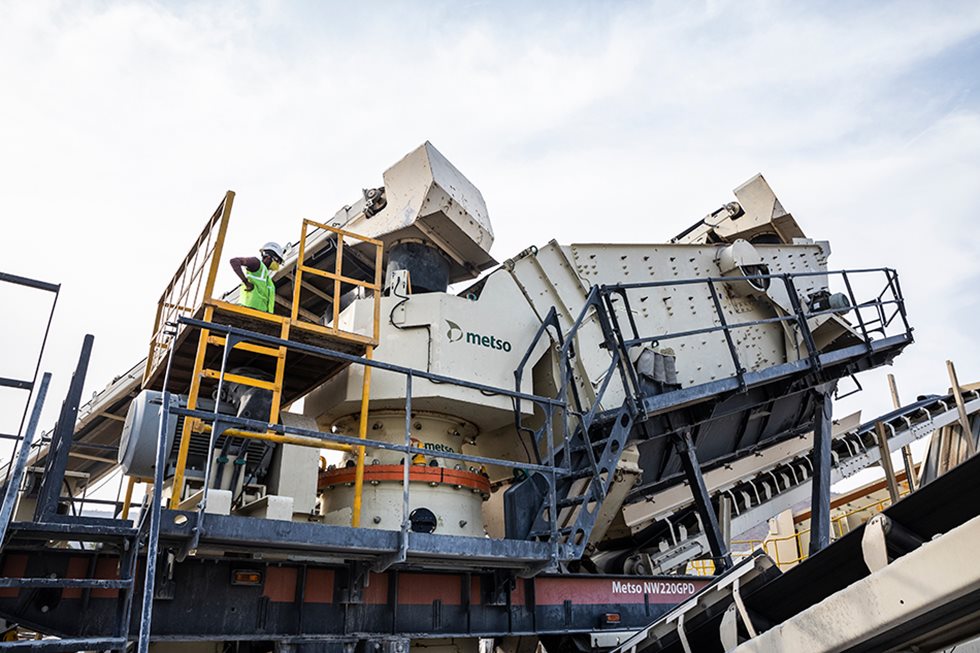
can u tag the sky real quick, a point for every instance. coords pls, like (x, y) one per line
(122, 124)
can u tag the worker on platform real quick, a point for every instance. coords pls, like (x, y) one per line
(258, 291)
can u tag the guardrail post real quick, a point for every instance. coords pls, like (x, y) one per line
(794, 300)
(733, 352)
(16, 472)
(857, 310)
(896, 289)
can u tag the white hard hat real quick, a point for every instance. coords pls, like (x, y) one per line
(274, 249)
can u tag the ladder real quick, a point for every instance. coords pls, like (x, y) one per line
(227, 343)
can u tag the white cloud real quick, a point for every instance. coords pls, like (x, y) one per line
(121, 125)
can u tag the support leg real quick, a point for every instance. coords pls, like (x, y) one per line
(702, 500)
(362, 434)
(821, 459)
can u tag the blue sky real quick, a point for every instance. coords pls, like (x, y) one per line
(122, 124)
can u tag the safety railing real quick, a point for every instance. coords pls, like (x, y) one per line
(336, 279)
(872, 318)
(191, 285)
(25, 385)
(578, 415)
(587, 454)
(258, 429)
(190, 294)
(23, 440)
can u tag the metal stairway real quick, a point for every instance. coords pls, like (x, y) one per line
(591, 457)
(592, 446)
(682, 433)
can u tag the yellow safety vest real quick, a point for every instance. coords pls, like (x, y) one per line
(262, 297)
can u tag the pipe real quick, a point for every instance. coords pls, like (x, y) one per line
(300, 440)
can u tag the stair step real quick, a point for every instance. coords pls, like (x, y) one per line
(83, 532)
(98, 583)
(574, 501)
(67, 645)
(547, 533)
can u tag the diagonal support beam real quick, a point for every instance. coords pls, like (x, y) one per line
(822, 463)
(702, 500)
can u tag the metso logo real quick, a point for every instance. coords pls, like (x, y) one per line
(455, 334)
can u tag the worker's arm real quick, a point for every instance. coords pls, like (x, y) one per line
(249, 262)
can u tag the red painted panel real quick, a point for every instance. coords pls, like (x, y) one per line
(423, 589)
(14, 566)
(106, 568)
(77, 568)
(280, 584)
(376, 592)
(599, 591)
(319, 586)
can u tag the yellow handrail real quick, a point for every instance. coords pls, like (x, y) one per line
(171, 302)
(183, 293)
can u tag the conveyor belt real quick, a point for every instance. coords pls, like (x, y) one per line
(778, 477)
(937, 508)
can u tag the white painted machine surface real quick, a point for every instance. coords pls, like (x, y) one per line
(436, 228)
(532, 325)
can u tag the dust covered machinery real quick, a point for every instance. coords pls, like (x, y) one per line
(731, 267)
(486, 331)
(577, 408)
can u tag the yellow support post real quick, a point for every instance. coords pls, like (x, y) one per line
(339, 271)
(128, 499)
(280, 375)
(362, 434)
(378, 260)
(298, 276)
(185, 435)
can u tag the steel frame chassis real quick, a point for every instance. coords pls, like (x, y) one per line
(181, 532)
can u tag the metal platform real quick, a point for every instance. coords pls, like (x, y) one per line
(305, 371)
